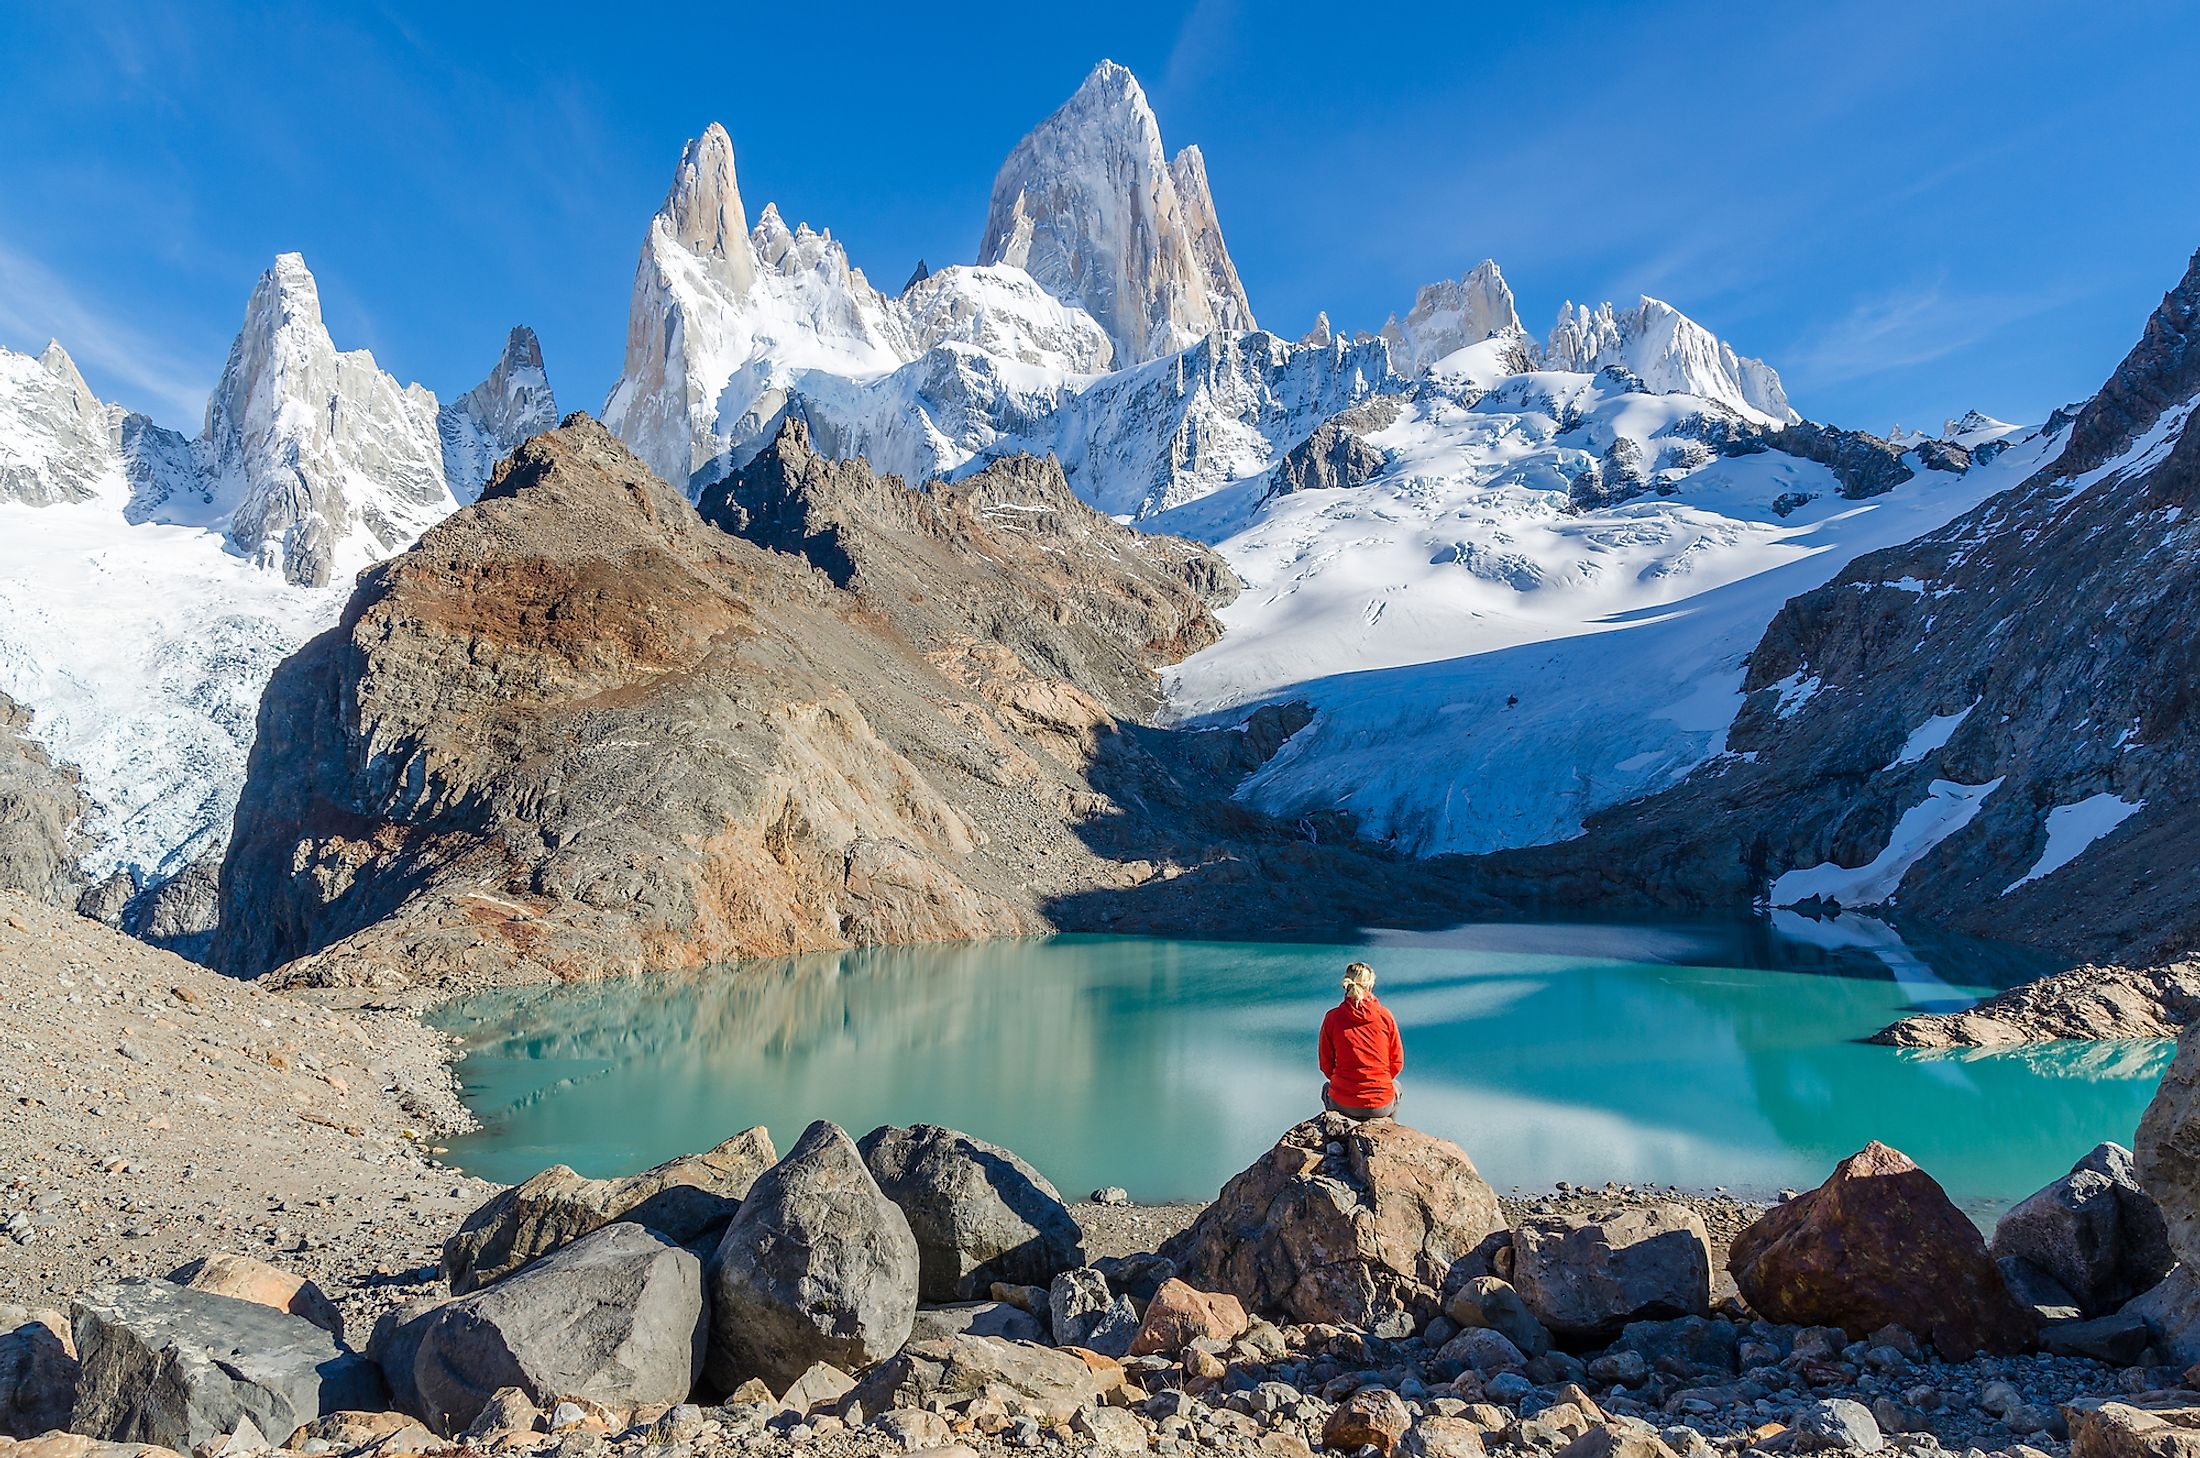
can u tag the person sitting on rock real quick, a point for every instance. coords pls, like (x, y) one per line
(1361, 1054)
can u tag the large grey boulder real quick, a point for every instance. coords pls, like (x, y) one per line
(977, 1318)
(1052, 1382)
(978, 1212)
(1585, 1278)
(818, 1266)
(37, 1371)
(616, 1317)
(684, 1199)
(167, 1365)
(2094, 1232)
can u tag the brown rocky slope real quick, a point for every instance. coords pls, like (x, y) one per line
(579, 729)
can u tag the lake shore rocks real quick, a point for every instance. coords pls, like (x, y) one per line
(817, 1266)
(1586, 1278)
(2089, 1002)
(2095, 1233)
(1356, 1224)
(979, 1213)
(1880, 1244)
(683, 1199)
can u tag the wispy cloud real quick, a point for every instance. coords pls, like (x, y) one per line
(37, 304)
(1903, 329)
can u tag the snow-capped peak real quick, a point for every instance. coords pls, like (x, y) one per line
(1090, 206)
(1451, 314)
(482, 426)
(1670, 353)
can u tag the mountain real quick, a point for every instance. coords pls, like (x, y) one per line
(1090, 205)
(1449, 315)
(1669, 352)
(1989, 726)
(149, 583)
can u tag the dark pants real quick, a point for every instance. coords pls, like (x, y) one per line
(1384, 1111)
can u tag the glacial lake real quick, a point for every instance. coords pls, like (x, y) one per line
(1698, 1056)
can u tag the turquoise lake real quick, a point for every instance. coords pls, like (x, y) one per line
(1668, 1055)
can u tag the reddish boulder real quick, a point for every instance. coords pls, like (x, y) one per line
(1373, 1417)
(1178, 1316)
(1346, 1223)
(1880, 1243)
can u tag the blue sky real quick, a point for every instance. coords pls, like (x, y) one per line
(1909, 209)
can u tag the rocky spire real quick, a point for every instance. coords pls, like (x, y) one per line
(703, 210)
(1451, 314)
(1671, 354)
(1089, 205)
(482, 426)
(1320, 335)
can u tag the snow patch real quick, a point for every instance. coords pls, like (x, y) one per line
(1930, 735)
(1946, 809)
(2072, 828)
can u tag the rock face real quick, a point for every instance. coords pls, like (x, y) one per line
(1584, 1279)
(1878, 1244)
(41, 815)
(481, 427)
(616, 1318)
(683, 1199)
(979, 1214)
(2083, 1002)
(2094, 1232)
(1451, 314)
(818, 1266)
(2075, 747)
(580, 730)
(38, 1372)
(1357, 1224)
(167, 1365)
(1335, 456)
(1089, 205)
(2167, 1149)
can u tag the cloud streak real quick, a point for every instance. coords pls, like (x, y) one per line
(1903, 329)
(37, 304)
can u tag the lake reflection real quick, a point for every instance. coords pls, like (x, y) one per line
(1684, 1055)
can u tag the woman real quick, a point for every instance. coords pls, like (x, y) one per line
(1360, 1052)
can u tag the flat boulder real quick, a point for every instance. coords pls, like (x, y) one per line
(167, 1365)
(1586, 1277)
(977, 1318)
(37, 1371)
(2095, 1232)
(1048, 1380)
(2165, 1425)
(1346, 1223)
(253, 1280)
(615, 1318)
(817, 1266)
(684, 1199)
(979, 1213)
(1879, 1244)
(1179, 1315)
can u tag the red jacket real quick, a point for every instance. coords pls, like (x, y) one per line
(1361, 1053)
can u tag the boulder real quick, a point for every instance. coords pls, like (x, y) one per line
(37, 1371)
(615, 1318)
(1486, 1301)
(508, 1410)
(1346, 1223)
(251, 1280)
(978, 1212)
(164, 1364)
(1052, 1382)
(684, 1199)
(1085, 1312)
(2167, 1150)
(1586, 1277)
(2095, 1232)
(2151, 1426)
(1616, 1440)
(977, 1318)
(71, 1445)
(1688, 1346)
(1373, 1417)
(817, 1266)
(1436, 1436)
(821, 1386)
(1880, 1243)
(1837, 1425)
(394, 1346)
(1177, 1316)
(2117, 1340)
(1484, 1350)
(2172, 1314)
(2035, 1288)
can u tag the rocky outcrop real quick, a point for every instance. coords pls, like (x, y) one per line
(41, 815)
(1337, 456)
(1864, 464)
(167, 1365)
(979, 1214)
(2082, 1002)
(1090, 206)
(1451, 314)
(1586, 1278)
(580, 730)
(2167, 1149)
(614, 1318)
(818, 1266)
(1358, 1224)
(2095, 1232)
(685, 1199)
(1972, 662)
(1879, 1244)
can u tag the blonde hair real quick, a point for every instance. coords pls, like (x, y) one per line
(1359, 981)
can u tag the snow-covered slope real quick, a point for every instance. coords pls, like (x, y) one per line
(150, 583)
(1490, 661)
(1669, 352)
(1090, 206)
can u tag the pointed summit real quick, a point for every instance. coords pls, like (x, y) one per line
(1451, 314)
(1321, 334)
(703, 210)
(1669, 352)
(1089, 205)
(482, 426)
